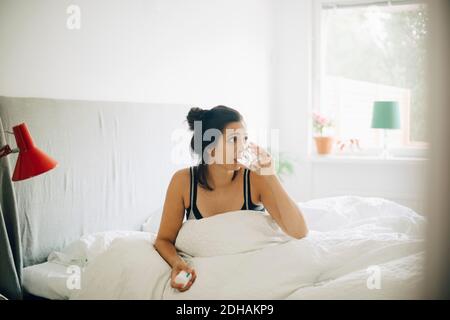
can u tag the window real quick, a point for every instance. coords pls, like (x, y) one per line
(372, 51)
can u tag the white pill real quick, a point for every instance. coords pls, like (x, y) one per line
(183, 277)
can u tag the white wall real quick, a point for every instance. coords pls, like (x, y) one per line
(255, 55)
(291, 97)
(197, 52)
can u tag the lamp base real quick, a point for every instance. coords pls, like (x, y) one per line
(385, 154)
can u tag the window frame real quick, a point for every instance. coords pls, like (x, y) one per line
(413, 149)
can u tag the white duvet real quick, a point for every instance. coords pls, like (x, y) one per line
(357, 248)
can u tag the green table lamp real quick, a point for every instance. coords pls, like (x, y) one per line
(386, 116)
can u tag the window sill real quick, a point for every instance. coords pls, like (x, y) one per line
(360, 159)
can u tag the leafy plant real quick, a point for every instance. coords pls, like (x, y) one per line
(284, 164)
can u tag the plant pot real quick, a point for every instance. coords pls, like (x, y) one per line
(324, 145)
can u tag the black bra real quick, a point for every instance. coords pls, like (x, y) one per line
(193, 212)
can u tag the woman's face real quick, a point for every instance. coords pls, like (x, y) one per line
(230, 145)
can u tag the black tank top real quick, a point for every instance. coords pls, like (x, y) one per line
(192, 211)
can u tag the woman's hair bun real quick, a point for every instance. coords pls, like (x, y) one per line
(195, 114)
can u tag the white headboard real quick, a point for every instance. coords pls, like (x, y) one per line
(115, 162)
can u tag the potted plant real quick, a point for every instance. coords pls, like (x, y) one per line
(324, 143)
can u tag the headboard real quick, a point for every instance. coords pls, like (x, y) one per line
(115, 162)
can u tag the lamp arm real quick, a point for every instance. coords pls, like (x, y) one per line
(5, 150)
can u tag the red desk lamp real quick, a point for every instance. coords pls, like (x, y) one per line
(31, 161)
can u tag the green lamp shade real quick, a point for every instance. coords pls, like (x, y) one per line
(386, 115)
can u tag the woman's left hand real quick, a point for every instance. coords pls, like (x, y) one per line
(263, 163)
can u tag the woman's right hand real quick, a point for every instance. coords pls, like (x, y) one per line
(179, 266)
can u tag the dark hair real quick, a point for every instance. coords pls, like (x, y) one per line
(215, 118)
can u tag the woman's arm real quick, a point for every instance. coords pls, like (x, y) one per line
(171, 220)
(281, 206)
(274, 197)
(167, 251)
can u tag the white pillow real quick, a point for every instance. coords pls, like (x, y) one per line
(88, 247)
(331, 213)
(152, 223)
(335, 213)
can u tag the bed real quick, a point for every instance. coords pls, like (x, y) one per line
(88, 227)
(357, 248)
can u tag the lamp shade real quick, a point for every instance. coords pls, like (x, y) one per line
(31, 161)
(386, 115)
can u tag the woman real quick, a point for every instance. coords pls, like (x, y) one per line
(225, 184)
